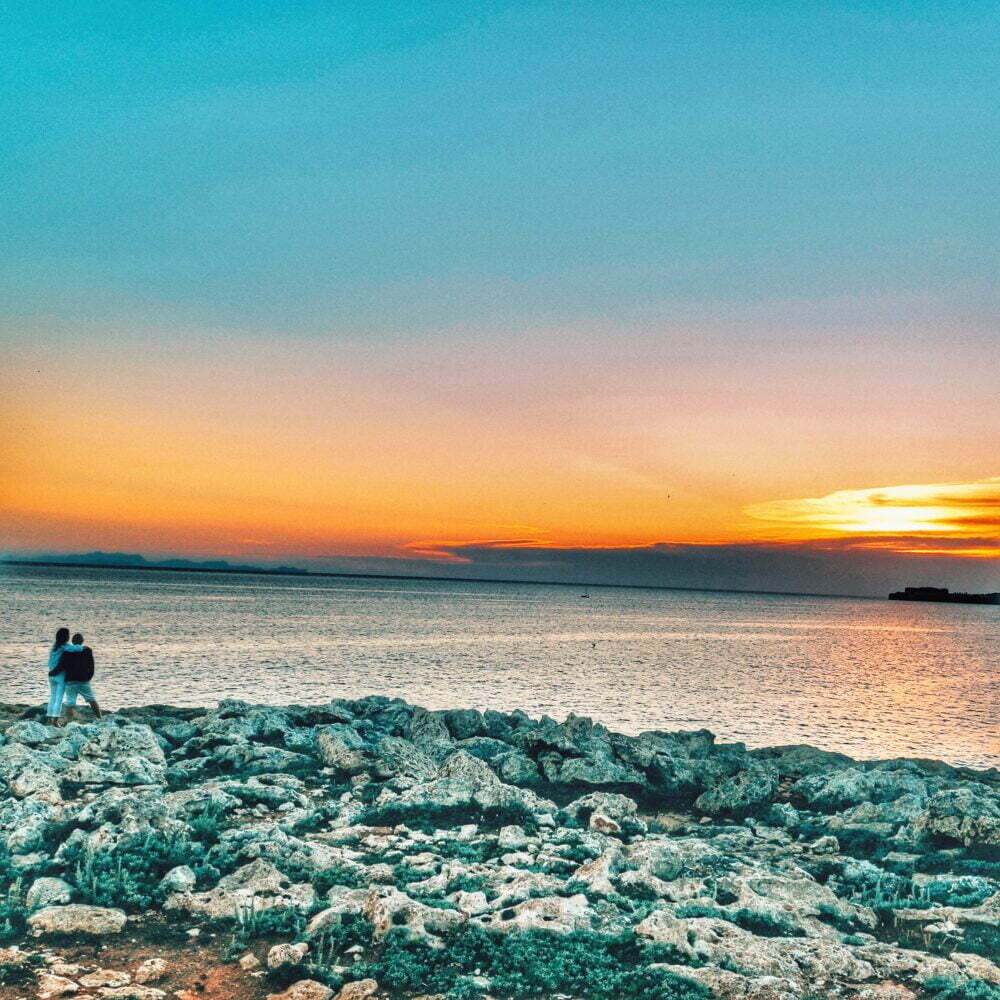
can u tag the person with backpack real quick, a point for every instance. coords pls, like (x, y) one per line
(57, 679)
(77, 665)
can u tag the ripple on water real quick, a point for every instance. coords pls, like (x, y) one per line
(870, 678)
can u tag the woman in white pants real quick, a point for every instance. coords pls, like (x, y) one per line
(57, 682)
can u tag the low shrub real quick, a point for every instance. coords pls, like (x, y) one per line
(128, 873)
(530, 964)
(947, 988)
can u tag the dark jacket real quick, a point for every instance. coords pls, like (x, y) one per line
(77, 666)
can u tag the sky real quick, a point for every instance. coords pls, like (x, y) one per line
(697, 294)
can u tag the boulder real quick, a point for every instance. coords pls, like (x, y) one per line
(965, 815)
(48, 892)
(742, 792)
(282, 955)
(304, 989)
(386, 908)
(557, 914)
(95, 921)
(256, 886)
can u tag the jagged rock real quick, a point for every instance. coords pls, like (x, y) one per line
(105, 977)
(150, 971)
(77, 919)
(598, 770)
(282, 955)
(963, 815)
(358, 990)
(134, 991)
(304, 989)
(256, 886)
(41, 783)
(515, 768)
(344, 901)
(464, 723)
(395, 757)
(559, 914)
(387, 908)
(342, 748)
(850, 786)
(48, 892)
(51, 985)
(30, 733)
(179, 879)
(743, 791)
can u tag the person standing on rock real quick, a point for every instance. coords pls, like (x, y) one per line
(57, 679)
(78, 668)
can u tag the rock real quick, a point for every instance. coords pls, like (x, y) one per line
(342, 748)
(559, 914)
(286, 954)
(615, 807)
(358, 990)
(135, 991)
(598, 770)
(741, 792)
(30, 733)
(48, 892)
(386, 908)
(515, 768)
(50, 985)
(249, 962)
(304, 989)
(256, 886)
(150, 971)
(40, 783)
(395, 757)
(105, 977)
(852, 785)
(179, 879)
(77, 919)
(964, 815)
(464, 723)
(511, 838)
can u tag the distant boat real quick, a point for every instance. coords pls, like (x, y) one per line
(586, 593)
(943, 595)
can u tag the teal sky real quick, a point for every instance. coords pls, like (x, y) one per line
(384, 169)
(463, 283)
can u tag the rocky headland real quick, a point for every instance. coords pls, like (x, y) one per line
(373, 848)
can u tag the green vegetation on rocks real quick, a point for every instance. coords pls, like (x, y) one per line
(469, 853)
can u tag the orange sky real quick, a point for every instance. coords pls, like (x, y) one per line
(240, 447)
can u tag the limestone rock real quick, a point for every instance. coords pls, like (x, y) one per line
(286, 954)
(741, 792)
(77, 918)
(358, 990)
(48, 892)
(256, 886)
(150, 971)
(304, 989)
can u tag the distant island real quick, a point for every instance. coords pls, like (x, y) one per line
(942, 595)
(128, 560)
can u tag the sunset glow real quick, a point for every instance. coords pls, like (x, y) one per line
(395, 304)
(948, 515)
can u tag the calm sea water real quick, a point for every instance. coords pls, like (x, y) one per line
(870, 678)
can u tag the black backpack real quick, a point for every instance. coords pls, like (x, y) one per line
(78, 666)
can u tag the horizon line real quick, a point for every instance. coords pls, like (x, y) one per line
(296, 572)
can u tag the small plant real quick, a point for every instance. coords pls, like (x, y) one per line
(13, 912)
(947, 988)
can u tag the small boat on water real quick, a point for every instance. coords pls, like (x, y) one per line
(943, 595)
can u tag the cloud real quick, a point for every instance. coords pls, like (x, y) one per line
(960, 517)
(827, 566)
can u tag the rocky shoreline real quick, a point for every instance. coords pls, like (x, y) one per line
(373, 848)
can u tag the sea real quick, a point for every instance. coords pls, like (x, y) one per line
(870, 678)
